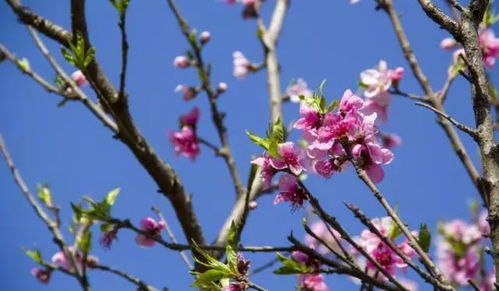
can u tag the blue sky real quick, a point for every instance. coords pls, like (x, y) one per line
(322, 39)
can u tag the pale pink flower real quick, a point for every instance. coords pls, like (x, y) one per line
(408, 284)
(377, 80)
(64, 262)
(241, 65)
(488, 283)
(79, 78)
(290, 157)
(313, 282)
(181, 62)
(60, 260)
(204, 37)
(290, 191)
(43, 276)
(371, 106)
(191, 118)
(298, 88)
(188, 92)
(350, 102)
(152, 228)
(321, 230)
(185, 142)
(461, 231)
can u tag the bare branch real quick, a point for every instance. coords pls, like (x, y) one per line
(142, 286)
(470, 131)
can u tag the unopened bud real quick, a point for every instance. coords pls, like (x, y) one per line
(204, 37)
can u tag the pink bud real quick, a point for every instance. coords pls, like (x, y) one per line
(448, 43)
(204, 37)
(252, 205)
(79, 78)
(181, 62)
(222, 87)
(397, 74)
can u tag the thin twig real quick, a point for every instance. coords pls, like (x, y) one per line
(216, 115)
(264, 267)
(367, 222)
(142, 286)
(124, 52)
(173, 238)
(472, 132)
(40, 212)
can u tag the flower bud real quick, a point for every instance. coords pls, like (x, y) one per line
(204, 37)
(79, 78)
(222, 87)
(181, 62)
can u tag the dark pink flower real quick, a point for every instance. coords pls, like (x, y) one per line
(266, 169)
(290, 191)
(313, 282)
(490, 46)
(191, 118)
(107, 238)
(152, 228)
(391, 140)
(185, 142)
(43, 276)
(290, 158)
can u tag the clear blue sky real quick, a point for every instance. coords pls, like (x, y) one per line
(322, 39)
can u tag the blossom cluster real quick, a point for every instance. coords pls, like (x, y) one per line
(459, 252)
(185, 141)
(489, 44)
(60, 260)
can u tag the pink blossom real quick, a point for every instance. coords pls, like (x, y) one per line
(298, 88)
(191, 118)
(310, 118)
(79, 78)
(458, 230)
(181, 62)
(204, 37)
(185, 142)
(483, 224)
(60, 260)
(313, 282)
(64, 262)
(188, 92)
(290, 192)
(488, 283)
(290, 157)
(43, 276)
(266, 169)
(152, 228)
(458, 268)
(381, 252)
(377, 80)
(372, 106)
(241, 65)
(350, 101)
(325, 168)
(321, 231)
(490, 46)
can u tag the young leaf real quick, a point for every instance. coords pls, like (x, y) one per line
(85, 242)
(321, 87)
(262, 142)
(394, 231)
(209, 277)
(35, 255)
(24, 64)
(333, 105)
(44, 194)
(290, 266)
(424, 237)
(111, 196)
(231, 247)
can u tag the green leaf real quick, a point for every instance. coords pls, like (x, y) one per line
(120, 5)
(424, 237)
(79, 56)
(333, 105)
(106, 227)
(44, 194)
(362, 85)
(111, 196)
(262, 142)
(35, 255)
(208, 277)
(68, 56)
(231, 247)
(290, 266)
(24, 64)
(321, 87)
(394, 231)
(85, 242)
(89, 57)
(278, 133)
